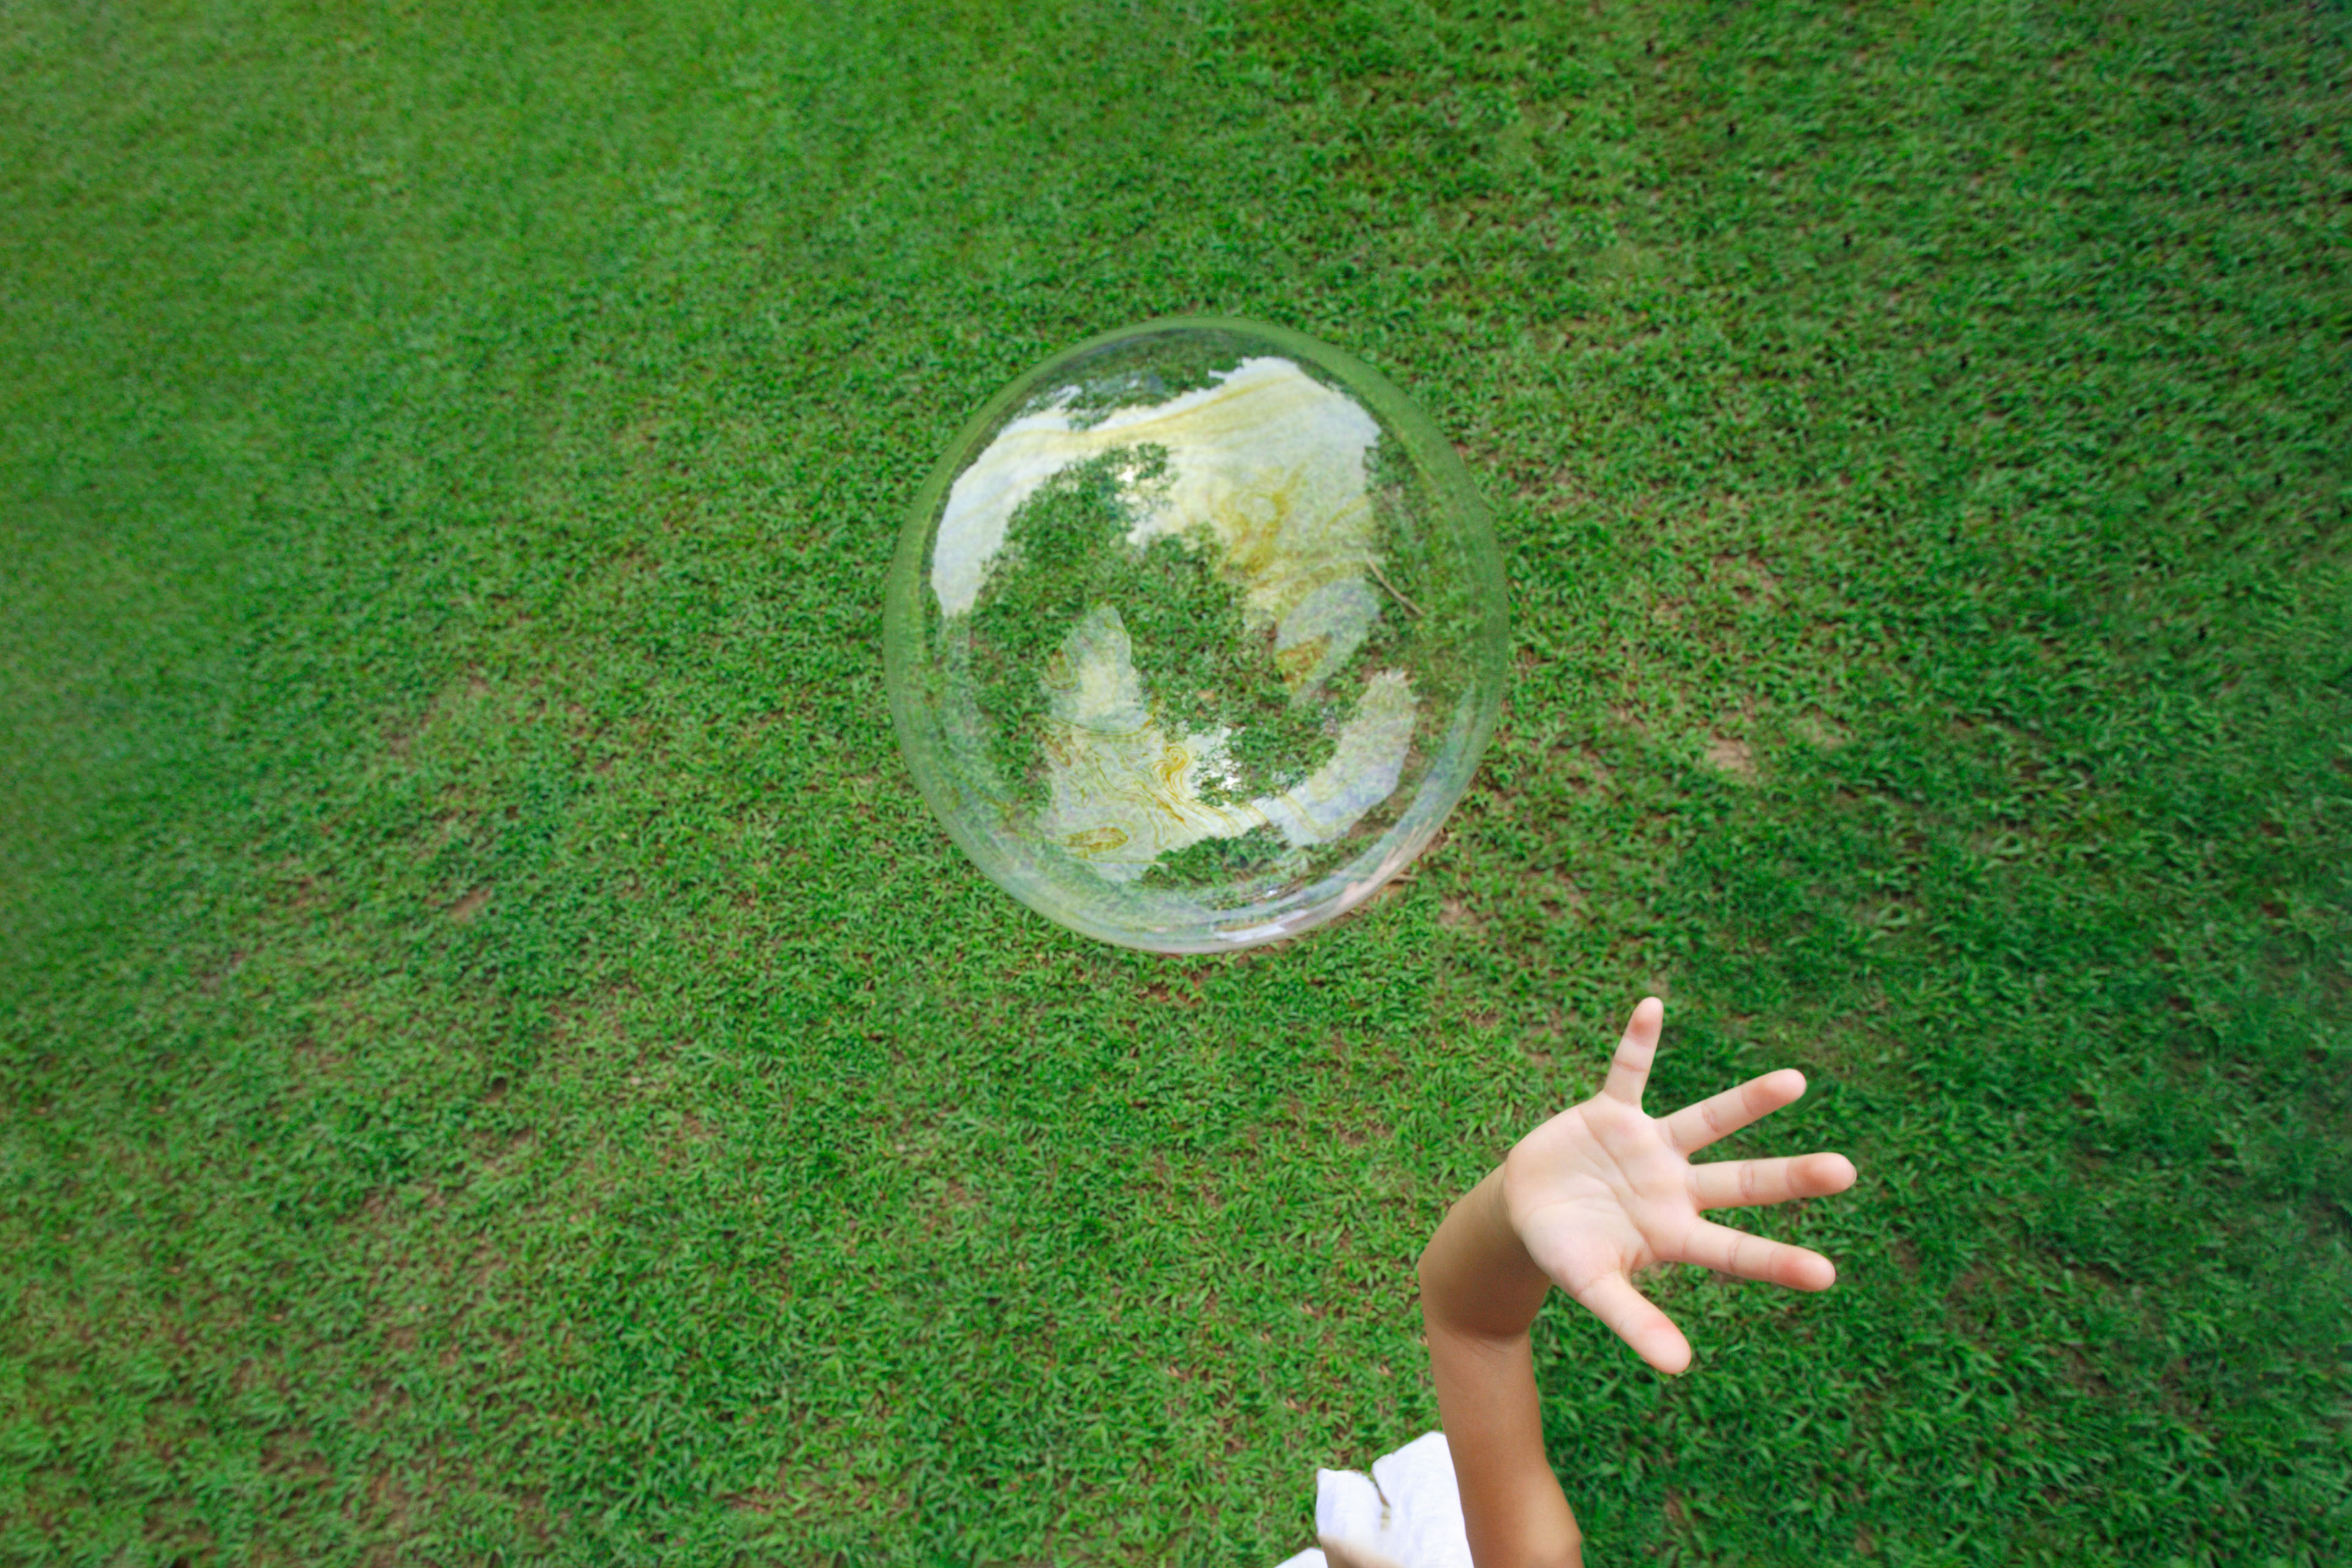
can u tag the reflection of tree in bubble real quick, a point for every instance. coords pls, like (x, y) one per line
(1181, 631)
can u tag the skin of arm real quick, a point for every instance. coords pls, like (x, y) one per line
(1479, 1293)
(1586, 1201)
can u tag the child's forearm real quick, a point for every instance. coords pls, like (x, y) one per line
(1479, 1294)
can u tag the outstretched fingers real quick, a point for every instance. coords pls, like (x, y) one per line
(1629, 1070)
(1735, 1184)
(1730, 1251)
(1694, 1127)
(1637, 1321)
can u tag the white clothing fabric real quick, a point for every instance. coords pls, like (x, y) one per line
(1405, 1514)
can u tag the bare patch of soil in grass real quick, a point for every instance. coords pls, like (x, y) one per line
(1733, 757)
(1455, 914)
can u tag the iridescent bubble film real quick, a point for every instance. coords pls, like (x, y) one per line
(1195, 635)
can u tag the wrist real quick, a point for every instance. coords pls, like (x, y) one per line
(1478, 1281)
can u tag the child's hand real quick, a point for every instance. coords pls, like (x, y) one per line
(1603, 1190)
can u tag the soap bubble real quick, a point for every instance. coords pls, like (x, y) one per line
(1195, 636)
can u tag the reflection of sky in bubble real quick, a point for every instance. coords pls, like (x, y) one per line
(1266, 469)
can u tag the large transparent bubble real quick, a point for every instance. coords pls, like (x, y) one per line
(1195, 636)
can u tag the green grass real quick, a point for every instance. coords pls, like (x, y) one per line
(497, 1066)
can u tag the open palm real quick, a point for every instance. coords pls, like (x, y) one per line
(1603, 1190)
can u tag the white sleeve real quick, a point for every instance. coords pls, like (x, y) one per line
(1406, 1513)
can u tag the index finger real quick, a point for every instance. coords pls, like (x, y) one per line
(1629, 1070)
(1694, 1127)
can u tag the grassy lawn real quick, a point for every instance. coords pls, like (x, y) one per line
(497, 1065)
